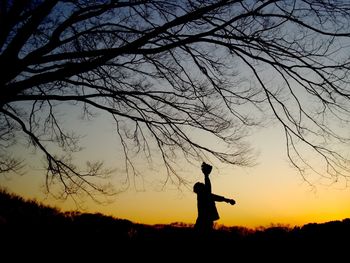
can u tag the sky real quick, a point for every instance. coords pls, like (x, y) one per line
(270, 193)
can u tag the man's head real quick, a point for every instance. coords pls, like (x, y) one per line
(198, 187)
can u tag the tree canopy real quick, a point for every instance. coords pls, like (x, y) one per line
(163, 69)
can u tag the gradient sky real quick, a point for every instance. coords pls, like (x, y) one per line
(272, 192)
(267, 194)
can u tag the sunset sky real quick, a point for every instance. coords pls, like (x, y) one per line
(269, 193)
(243, 64)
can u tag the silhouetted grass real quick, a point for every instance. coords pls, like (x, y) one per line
(27, 225)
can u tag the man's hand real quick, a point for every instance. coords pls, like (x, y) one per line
(206, 168)
(231, 201)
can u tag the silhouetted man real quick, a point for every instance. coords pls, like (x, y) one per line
(207, 212)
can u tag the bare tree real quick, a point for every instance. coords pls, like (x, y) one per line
(163, 69)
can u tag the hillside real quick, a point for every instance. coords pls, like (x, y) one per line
(28, 224)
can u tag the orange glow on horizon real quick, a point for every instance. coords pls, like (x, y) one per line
(268, 194)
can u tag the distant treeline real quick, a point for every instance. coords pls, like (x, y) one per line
(28, 225)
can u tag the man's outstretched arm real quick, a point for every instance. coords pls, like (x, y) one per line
(206, 169)
(207, 183)
(219, 198)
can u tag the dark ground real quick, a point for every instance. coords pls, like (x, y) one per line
(32, 232)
